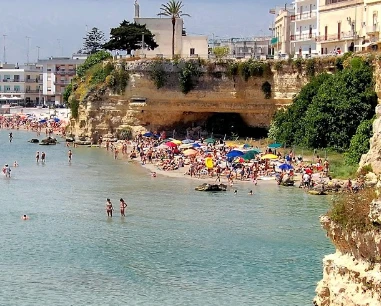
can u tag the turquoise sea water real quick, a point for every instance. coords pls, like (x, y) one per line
(175, 247)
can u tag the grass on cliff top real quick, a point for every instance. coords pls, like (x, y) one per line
(350, 210)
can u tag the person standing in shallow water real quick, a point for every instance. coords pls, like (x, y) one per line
(123, 206)
(109, 208)
(69, 155)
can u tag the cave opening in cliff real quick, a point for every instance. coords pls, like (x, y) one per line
(232, 125)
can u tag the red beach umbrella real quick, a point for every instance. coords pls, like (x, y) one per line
(171, 144)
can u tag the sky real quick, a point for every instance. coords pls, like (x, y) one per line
(57, 27)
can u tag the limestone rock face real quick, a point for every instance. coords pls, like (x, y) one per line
(351, 276)
(375, 211)
(373, 157)
(144, 107)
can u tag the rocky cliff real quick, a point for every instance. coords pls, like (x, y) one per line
(352, 276)
(142, 106)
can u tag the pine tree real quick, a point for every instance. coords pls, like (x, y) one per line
(93, 42)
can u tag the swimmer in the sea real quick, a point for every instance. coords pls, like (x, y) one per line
(251, 192)
(109, 208)
(24, 217)
(123, 206)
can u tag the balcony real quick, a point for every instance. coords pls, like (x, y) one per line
(60, 72)
(10, 91)
(62, 82)
(305, 16)
(303, 37)
(13, 81)
(373, 29)
(33, 91)
(33, 80)
(336, 37)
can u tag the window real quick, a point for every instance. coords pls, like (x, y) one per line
(7, 88)
(17, 88)
(338, 30)
(192, 51)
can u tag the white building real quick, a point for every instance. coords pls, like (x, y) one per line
(57, 73)
(283, 29)
(306, 27)
(20, 85)
(185, 46)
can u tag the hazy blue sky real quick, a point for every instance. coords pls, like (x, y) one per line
(58, 26)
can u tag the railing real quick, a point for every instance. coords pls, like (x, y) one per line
(306, 36)
(32, 91)
(13, 80)
(62, 82)
(32, 80)
(373, 29)
(10, 91)
(337, 36)
(59, 72)
(305, 16)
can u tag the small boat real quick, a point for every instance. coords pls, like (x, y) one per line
(48, 141)
(69, 139)
(83, 143)
(287, 183)
(211, 187)
(34, 140)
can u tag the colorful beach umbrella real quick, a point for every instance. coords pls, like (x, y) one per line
(275, 146)
(190, 152)
(210, 140)
(285, 167)
(269, 156)
(186, 141)
(185, 146)
(175, 141)
(196, 145)
(250, 155)
(234, 153)
(171, 144)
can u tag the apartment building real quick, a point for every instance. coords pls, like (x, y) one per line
(57, 73)
(20, 85)
(372, 9)
(342, 26)
(282, 30)
(306, 27)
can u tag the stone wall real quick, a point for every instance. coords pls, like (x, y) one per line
(144, 107)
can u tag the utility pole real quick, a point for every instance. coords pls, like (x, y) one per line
(38, 53)
(27, 49)
(4, 54)
(143, 43)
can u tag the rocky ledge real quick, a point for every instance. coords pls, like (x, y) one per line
(352, 276)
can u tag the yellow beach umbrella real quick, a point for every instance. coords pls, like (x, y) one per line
(269, 156)
(178, 142)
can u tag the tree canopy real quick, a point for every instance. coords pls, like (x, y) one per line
(93, 42)
(128, 37)
(328, 110)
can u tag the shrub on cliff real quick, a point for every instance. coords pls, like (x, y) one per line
(158, 74)
(328, 110)
(74, 106)
(67, 92)
(188, 76)
(91, 61)
(359, 143)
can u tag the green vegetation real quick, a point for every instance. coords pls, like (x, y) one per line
(266, 88)
(128, 37)
(310, 68)
(188, 76)
(99, 72)
(174, 10)
(220, 51)
(120, 77)
(74, 106)
(158, 73)
(92, 60)
(359, 143)
(125, 134)
(93, 42)
(328, 110)
(67, 92)
(351, 210)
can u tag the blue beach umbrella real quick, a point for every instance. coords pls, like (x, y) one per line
(234, 153)
(285, 167)
(42, 121)
(148, 134)
(196, 145)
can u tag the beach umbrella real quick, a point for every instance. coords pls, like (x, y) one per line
(187, 141)
(42, 121)
(210, 140)
(285, 167)
(190, 152)
(269, 156)
(308, 171)
(148, 134)
(185, 146)
(275, 146)
(245, 146)
(175, 141)
(196, 145)
(171, 144)
(250, 155)
(234, 153)
(239, 159)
